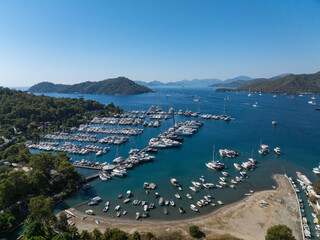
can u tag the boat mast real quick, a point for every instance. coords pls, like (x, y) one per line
(174, 128)
(224, 107)
(213, 153)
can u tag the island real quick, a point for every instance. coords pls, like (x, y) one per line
(112, 86)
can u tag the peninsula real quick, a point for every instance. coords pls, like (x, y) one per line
(292, 84)
(112, 86)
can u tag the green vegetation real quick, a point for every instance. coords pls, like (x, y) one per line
(196, 232)
(120, 85)
(313, 199)
(27, 114)
(316, 186)
(279, 232)
(302, 83)
(44, 175)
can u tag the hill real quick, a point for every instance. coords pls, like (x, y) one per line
(299, 83)
(112, 86)
(244, 81)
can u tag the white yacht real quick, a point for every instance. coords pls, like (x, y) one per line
(277, 150)
(237, 166)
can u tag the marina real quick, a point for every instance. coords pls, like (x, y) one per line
(186, 163)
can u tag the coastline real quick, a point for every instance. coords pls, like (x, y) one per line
(244, 219)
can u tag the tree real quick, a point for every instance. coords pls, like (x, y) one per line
(107, 234)
(63, 221)
(7, 221)
(195, 231)
(63, 236)
(96, 234)
(117, 234)
(279, 232)
(41, 210)
(33, 228)
(74, 232)
(313, 199)
(136, 236)
(150, 236)
(85, 235)
(316, 186)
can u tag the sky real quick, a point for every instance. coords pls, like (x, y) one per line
(167, 40)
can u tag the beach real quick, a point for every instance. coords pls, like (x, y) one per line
(244, 219)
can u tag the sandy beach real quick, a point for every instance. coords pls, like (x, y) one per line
(244, 219)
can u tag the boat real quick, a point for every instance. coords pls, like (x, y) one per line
(221, 203)
(107, 203)
(137, 215)
(237, 166)
(106, 208)
(126, 200)
(128, 193)
(174, 182)
(165, 211)
(117, 208)
(194, 208)
(193, 189)
(177, 196)
(196, 184)
(124, 212)
(189, 196)
(222, 179)
(166, 202)
(264, 149)
(225, 174)
(103, 177)
(161, 201)
(274, 123)
(118, 214)
(145, 207)
(89, 212)
(277, 151)
(99, 153)
(181, 210)
(119, 195)
(151, 205)
(172, 203)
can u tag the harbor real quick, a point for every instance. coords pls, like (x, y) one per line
(186, 162)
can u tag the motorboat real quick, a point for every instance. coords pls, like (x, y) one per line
(277, 151)
(194, 208)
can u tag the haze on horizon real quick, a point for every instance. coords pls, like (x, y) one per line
(75, 41)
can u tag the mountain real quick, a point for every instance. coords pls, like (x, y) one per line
(242, 81)
(293, 83)
(112, 86)
(186, 83)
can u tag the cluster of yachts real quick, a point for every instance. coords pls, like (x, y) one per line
(264, 149)
(223, 117)
(132, 120)
(114, 140)
(104, 130)
(62, 136)
(306, 228)
(68, 147)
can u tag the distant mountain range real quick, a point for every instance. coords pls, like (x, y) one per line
(192, 83)
(112, 86)
(287, 83)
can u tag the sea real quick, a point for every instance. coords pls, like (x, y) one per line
(297, 133)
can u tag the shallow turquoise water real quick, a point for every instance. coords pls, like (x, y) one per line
(297, 134)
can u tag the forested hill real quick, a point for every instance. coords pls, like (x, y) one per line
(21, 110)
(301, 83)
(112, 86)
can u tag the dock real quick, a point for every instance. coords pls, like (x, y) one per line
(87, 167)
(91, 177)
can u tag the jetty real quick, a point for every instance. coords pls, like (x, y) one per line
(91, 177)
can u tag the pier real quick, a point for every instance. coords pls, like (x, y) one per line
(87, 167)
(91, 177)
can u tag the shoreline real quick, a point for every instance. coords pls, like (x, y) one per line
(216, 222)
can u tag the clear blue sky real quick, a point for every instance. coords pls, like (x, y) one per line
(167, 40)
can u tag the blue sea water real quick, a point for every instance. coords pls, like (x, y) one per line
(297, 134)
